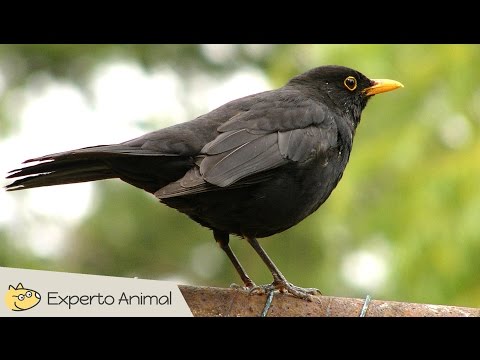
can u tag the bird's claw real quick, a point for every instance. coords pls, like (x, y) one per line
(246, 287)
(285, 287)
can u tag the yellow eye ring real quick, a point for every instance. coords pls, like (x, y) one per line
(350, 83)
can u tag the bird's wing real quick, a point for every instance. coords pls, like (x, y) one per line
(265, 137)
(255, 141)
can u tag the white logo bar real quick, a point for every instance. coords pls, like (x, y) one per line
(47, 293)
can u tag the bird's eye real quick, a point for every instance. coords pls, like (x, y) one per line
(350, 83)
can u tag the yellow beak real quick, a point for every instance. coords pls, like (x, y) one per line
(382, 85)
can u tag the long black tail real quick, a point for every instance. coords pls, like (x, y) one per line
(142, 168)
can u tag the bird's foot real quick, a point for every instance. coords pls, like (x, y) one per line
(286, 287)
(246, 287)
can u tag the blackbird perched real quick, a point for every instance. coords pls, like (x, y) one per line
(253, 167)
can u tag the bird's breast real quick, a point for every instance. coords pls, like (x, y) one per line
(295, 193)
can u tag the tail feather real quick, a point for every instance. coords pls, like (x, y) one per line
(98, 152)
(143, 168)
(56, 173)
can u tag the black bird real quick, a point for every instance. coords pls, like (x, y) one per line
(253, 167)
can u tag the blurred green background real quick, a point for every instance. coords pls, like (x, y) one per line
(403, 224)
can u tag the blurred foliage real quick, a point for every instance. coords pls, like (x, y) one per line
(410, 193)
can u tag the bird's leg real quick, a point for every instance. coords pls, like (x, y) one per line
(279, 281)
(222, 239)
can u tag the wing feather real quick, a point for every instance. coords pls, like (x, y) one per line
(255, 141)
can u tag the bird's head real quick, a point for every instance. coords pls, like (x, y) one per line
(346, 89)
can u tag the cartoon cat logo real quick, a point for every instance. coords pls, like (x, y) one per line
(21, 299)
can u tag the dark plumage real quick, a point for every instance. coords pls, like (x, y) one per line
(253, 167)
